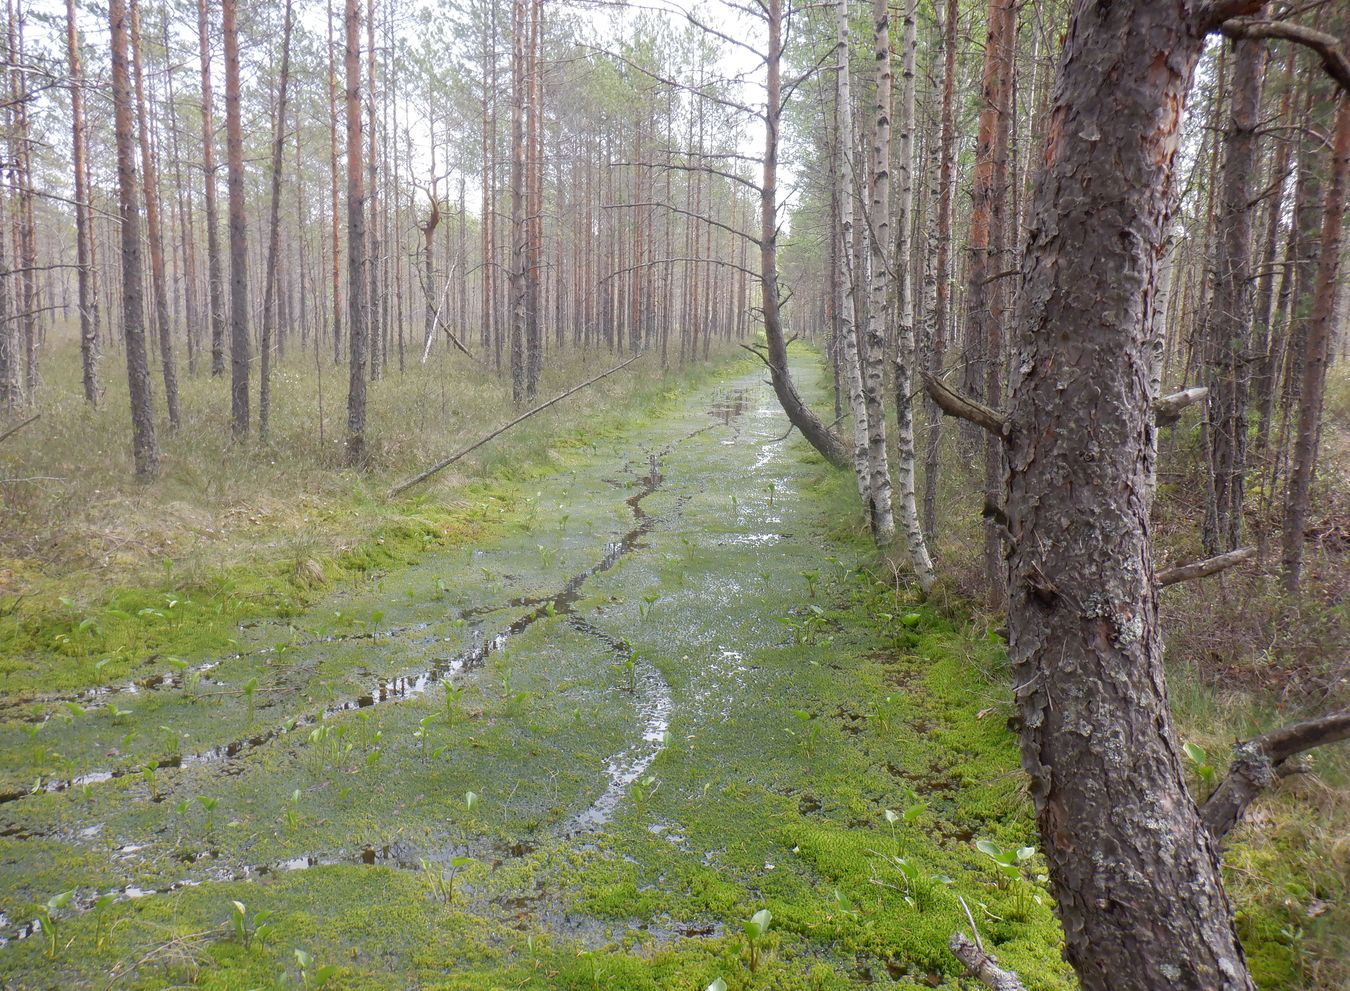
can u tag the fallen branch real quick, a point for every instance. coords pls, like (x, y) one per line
(440, 465)
(1259, 762)
(962, 407)
(982, 966)
(1167, 410)
(1205, 568)
(18, 426)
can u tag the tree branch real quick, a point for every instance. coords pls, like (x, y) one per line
(982, 966)
(1327, 46)
(1205, 568)
(18, 426)
(954, 404)
(1258, 763)
(1167, 410)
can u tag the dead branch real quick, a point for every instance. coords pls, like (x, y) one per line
(1258, 763)
(1205, 568)
(982, 966)
(19, 426)
(954, 404)
(1326, 46)
(1167, 410)
(439, 466)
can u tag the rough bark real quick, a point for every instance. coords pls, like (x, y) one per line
(1228, 316)
(1258, 763)
(144, 447)
(214, 277)
(357, 323)
(1316, 354)
(1133, 870)
(240, 346)
(154, 232)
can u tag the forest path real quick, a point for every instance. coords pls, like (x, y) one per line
(590, 732)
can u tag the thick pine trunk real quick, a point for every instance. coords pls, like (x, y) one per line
(1134, 873)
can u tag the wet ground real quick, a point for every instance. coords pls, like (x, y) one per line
(577, 757)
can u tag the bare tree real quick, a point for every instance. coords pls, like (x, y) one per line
(83, 226)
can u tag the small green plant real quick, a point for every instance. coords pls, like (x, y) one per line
(100, 907)
(313, 978)
(247, 928)
(1011, 874)
(454, 697)
(208, 805)
(645, 606)
(293, 811)
(250, 689)
(1200, 759)
(644, 788)
(809, 733)
(626, 669)
(755, 929)
(48, 924)
(812, 580)
(441, 878)
(148, 773)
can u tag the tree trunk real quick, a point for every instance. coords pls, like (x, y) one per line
(905, 351)
(881, 282)
(240, 345)
(144, 447)
(357, 322)
(938, 314)
(847, 278)
(817, 434)
(83, 224)
(154, 235)
(273, 233)
(336, 272)
(214, 277)
(1133, 870)
(1316, 354)
(1226, 338)
(519, 246)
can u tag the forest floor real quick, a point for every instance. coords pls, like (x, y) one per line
(574, 741)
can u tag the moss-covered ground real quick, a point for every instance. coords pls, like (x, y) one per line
(607, 713)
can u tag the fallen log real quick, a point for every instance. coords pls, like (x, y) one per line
(441, 465)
